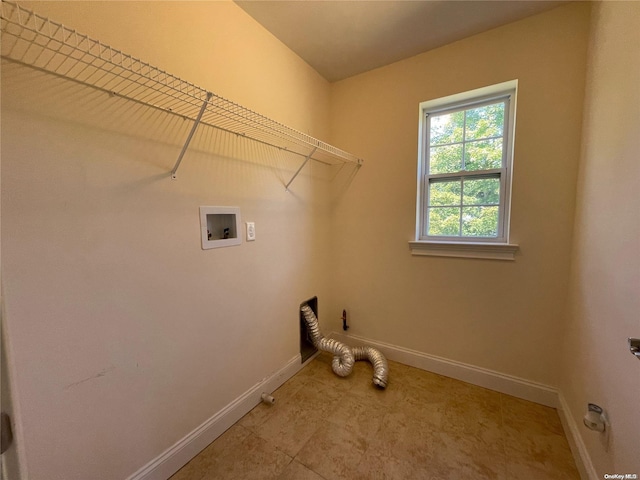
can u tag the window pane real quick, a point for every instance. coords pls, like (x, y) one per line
(484, 122)
(481, 191)
(480, 221)
(446, 128)
(445, 193)
(445, 159)
(444, 221)
(483, 155)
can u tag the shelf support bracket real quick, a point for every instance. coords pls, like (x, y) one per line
(306, 159)
(190, 136)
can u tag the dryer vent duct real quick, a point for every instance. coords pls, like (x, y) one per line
(344, 356)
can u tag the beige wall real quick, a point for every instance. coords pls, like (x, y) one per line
(604, 293)
(125, 335)
(504, 316)
(214, 45)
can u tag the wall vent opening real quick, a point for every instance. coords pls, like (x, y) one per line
(307, 350)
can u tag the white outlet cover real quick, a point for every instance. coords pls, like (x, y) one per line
(251, 231)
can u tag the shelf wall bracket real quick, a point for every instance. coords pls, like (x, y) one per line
(190, 136)
(34, 41)
(306, 159)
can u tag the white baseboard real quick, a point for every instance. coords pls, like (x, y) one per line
(508, 384)
(500, 382)
(578, 448)
(174, 458)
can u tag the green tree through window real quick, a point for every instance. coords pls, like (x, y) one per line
(465, 161)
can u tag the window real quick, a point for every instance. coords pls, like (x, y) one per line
(466, 146)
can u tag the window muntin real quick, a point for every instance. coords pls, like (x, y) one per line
(467, 207)
(466, 160)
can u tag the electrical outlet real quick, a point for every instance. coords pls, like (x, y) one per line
(251, 231)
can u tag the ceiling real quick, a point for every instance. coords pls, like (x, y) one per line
(340, 39)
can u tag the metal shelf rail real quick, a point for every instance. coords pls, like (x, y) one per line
(45, 45)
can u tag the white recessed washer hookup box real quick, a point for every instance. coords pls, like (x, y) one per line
(220, 226)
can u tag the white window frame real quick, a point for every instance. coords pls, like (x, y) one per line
(459, 246)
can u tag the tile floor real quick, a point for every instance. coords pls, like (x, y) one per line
(423, 426)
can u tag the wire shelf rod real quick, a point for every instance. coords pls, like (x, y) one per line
(286, 187)
(171, 112)
(49, 46)
(193, 130)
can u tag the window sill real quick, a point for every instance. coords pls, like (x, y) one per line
(491, 251)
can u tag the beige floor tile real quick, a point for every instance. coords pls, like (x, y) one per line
(456, 456)
(297, 471)
(550, 452)
(283, 395)
(534, 439)
(334, 451)
(417, 378)
(200, 464)
(530, 417)
(359, 411)
(423, 426)
(384, 461)
(517, 470)
(294, 421)
(474, 414)
(384, 467)
(248, 459)
(194, 470)
(402, 447)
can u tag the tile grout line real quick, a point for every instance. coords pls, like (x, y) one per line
(338, 408)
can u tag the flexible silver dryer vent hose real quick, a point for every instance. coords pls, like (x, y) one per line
(378, 360)
(343, 356)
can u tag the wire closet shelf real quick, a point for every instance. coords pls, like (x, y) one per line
(37, 42)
